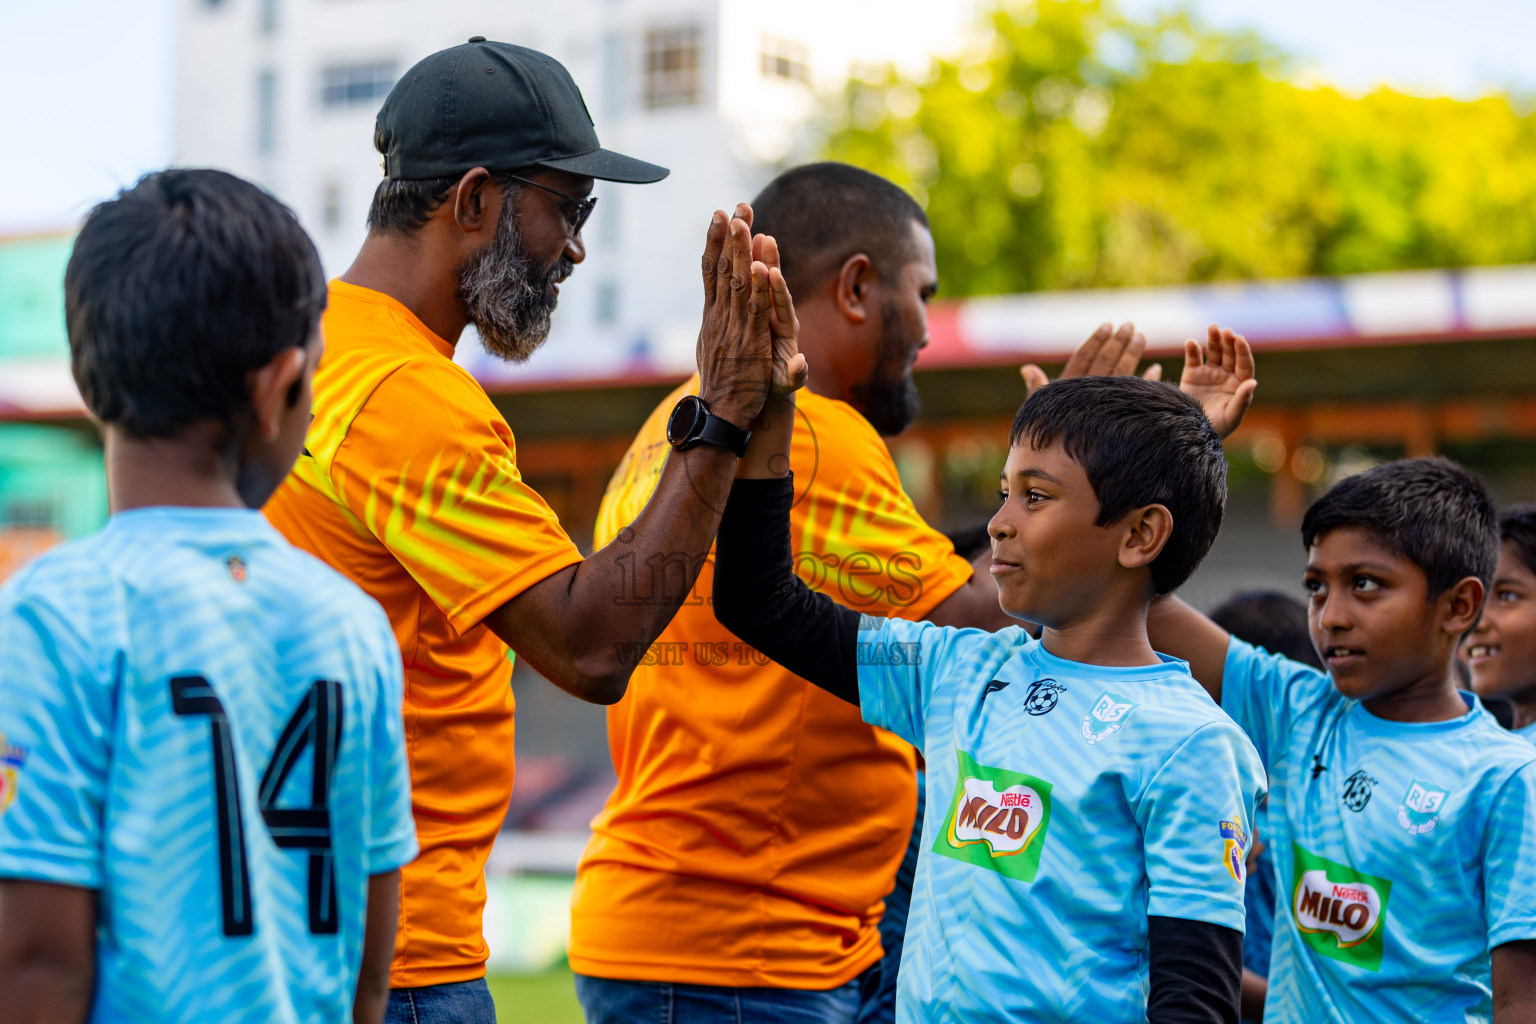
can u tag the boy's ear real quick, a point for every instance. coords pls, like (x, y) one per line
(1147, 530)
(1461, 605)
(271, 386)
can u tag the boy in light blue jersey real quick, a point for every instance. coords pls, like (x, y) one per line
(204, 798)
(1501, 651)
(1083, 859)
(1402, 818)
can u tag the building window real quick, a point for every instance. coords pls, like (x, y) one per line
(606, 309)
(266, 111)
(351, 85)
(268, 16)
(781, 58)
(330, 206)
(672, 63)
(615, 74)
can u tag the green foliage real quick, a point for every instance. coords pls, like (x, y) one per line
(1069, 146)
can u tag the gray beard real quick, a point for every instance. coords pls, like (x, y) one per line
(509, 305)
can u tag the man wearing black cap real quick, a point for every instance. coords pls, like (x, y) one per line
(409, 483)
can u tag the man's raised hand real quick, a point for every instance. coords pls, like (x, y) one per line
(1219, 375)
(1107, 353)
(736, 346)
(789, 366)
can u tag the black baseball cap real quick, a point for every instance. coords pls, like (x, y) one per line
(497, 106)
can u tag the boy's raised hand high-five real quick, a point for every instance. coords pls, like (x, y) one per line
(1219, 375)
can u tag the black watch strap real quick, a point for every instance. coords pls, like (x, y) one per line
(692, 424)
(723, 433)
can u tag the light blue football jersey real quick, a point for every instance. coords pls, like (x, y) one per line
(1404, 851)
(1066, 804)
(203, 723)
(1528, 733)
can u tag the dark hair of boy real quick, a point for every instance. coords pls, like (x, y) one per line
(1430, 511)
(1269, 619)
(822, 213)
(1517, 526)
(177, 290)
(1140, 442)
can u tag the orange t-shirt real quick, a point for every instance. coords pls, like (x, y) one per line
(758, 821)
(409, 485)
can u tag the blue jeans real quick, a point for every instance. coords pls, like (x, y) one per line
(878, 1003)
(459, 1002)
(608, 1001)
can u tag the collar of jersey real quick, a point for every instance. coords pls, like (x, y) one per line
(1035, 652)
(1386, 727)
(156, 516)
(395, 306)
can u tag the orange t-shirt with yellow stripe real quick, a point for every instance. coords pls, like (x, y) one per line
(758, 821)
(408, 485)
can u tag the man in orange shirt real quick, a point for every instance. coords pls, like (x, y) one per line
(738, 870)
(409, 484)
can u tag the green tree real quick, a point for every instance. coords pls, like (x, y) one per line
(1069, 146)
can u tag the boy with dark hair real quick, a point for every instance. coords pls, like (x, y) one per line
(1088, 860)
(1501, 652)
(1402, 819)
(206, 802)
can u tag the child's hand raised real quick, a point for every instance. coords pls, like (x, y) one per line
(1107, 353)
(1219, 375)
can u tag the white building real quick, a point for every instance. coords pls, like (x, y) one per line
(724, 92)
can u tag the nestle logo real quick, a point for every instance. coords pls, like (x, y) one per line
(1354, 895)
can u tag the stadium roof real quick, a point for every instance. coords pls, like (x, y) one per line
(1333, 312)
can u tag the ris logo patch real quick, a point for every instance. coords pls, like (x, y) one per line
(1419, 812)
(1235, 848)
(12, 759)
(1339, 911)
(1109, 713)
(997, 820)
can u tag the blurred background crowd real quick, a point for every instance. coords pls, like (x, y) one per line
(1352, 184)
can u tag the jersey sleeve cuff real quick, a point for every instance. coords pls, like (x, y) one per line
(392, 854)
(1519, 930)
(49, 866)
(1194, 905)
(473, 612)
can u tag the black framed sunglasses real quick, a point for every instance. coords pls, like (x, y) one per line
(583, 207)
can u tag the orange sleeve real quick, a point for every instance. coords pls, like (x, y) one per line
(429, 467)
(862, 541)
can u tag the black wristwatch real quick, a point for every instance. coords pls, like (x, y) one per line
(692, 424)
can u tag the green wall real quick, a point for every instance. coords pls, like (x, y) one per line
(32, 296)
(51, 477)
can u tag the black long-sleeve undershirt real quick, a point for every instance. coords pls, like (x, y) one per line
(760, 599)
(1196, 968)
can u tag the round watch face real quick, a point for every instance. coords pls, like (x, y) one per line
(686, 419)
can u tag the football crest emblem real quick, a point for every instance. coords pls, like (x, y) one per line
(1042, 696)
(1109, 714)
(12, 759)
(1419, 812)
(237, 570)
(1357, 790)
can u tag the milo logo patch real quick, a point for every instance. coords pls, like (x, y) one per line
(1339, 911)
(997, 820)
